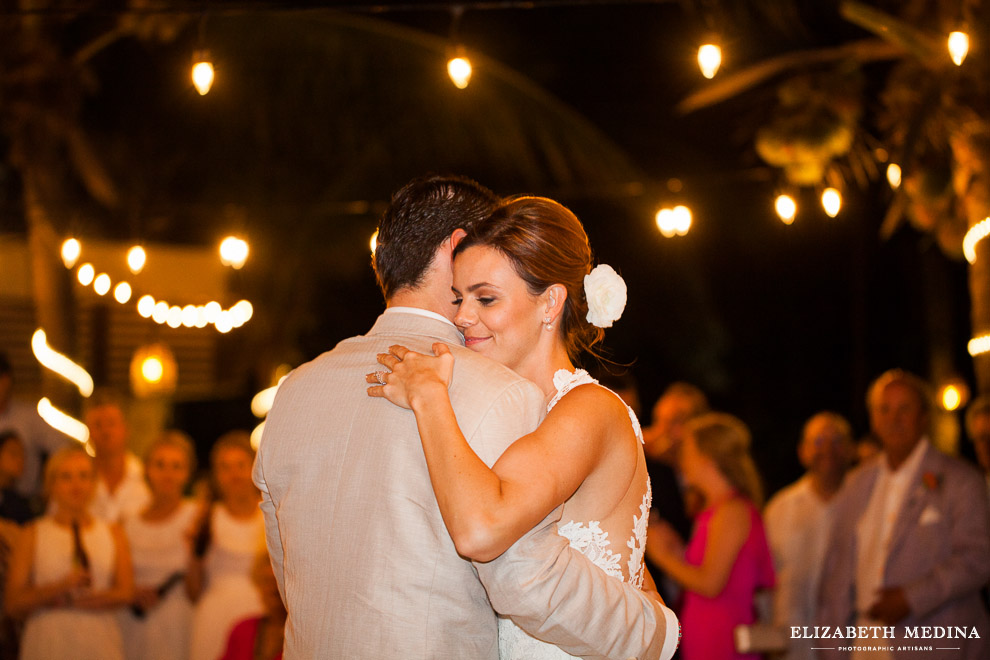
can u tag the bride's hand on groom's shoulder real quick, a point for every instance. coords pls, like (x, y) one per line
(412, 377)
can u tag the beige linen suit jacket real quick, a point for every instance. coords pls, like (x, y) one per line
(362, 558)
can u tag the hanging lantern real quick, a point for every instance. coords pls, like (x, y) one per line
(153, 371)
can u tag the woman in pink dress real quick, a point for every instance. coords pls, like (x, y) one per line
(727, 560)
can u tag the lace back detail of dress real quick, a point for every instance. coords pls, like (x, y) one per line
(588, 538)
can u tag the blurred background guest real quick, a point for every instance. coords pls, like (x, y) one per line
(911, 530)
(38, 438)
(158, 622)
(13, 506)
(261, 637)
(120, 487)
(978, 430)
(231, 533)
(727, 560)
(798, 519)
(679, 404)
(70, 570)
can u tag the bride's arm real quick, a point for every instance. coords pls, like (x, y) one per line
(487, 509)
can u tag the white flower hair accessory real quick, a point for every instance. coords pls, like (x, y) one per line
(605, 291)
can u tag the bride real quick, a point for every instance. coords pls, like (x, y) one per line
(526, 297)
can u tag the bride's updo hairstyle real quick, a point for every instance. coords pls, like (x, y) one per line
(546, 245)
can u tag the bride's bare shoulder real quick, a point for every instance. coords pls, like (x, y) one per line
(592, 406)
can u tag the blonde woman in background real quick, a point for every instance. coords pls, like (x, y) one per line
(230, 534)
(156, 626)
(727, 559)
(70, 570)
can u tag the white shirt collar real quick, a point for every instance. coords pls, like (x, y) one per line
(910, 464)
(418, 311)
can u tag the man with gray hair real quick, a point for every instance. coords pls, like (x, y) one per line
(797, 521)
(908, 548)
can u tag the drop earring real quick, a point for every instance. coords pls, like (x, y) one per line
(547, 322)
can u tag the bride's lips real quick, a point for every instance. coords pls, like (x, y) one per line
(472, 342)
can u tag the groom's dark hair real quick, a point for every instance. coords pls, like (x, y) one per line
(422, 215)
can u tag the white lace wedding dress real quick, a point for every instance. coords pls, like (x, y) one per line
(589, 539)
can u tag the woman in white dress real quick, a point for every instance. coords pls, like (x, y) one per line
(527, 297)
(225, 549)
(69, 571)
(156, 626)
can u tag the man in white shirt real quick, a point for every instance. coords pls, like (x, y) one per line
(797, 520)
(910, 539)
(120, 487)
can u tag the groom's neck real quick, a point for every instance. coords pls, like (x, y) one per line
(424, 297)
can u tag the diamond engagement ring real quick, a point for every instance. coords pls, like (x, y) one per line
(380, 377)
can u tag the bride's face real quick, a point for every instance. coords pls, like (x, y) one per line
(498, 315)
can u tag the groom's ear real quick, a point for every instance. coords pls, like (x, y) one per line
(456, 237)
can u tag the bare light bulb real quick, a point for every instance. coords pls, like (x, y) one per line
(233, 252)
(894, 175)
(71, 249)
(786, 208)
(831, 202)
(85, 274)
(202, 73)
(958, 46)
(136, 258)
(459, 69)
(709, 59)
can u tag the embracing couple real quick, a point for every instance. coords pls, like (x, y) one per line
(505, 515)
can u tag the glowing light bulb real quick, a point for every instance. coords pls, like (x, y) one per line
(682, 220)
(62, 422)
(85, 274)
(894, 175)
(459, 69)
(374, 242)
(233, 252)
(160, 312)
(224, 322)
(60, 364)
(241, 313)
(831, 202)
(122, 292)
(146, 306)
(102, 284)
(152, 369)
(976, 233)
(212, 311)
(71, 249)
(979, 345)
(188, 316)
(709, 59)
(786, 208)
(201, 321)
(951, 397)
(665, 222)
(958, 46)
(136, 258)
(174, 317)
(202, 73)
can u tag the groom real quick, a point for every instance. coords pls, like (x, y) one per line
(361, 554)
